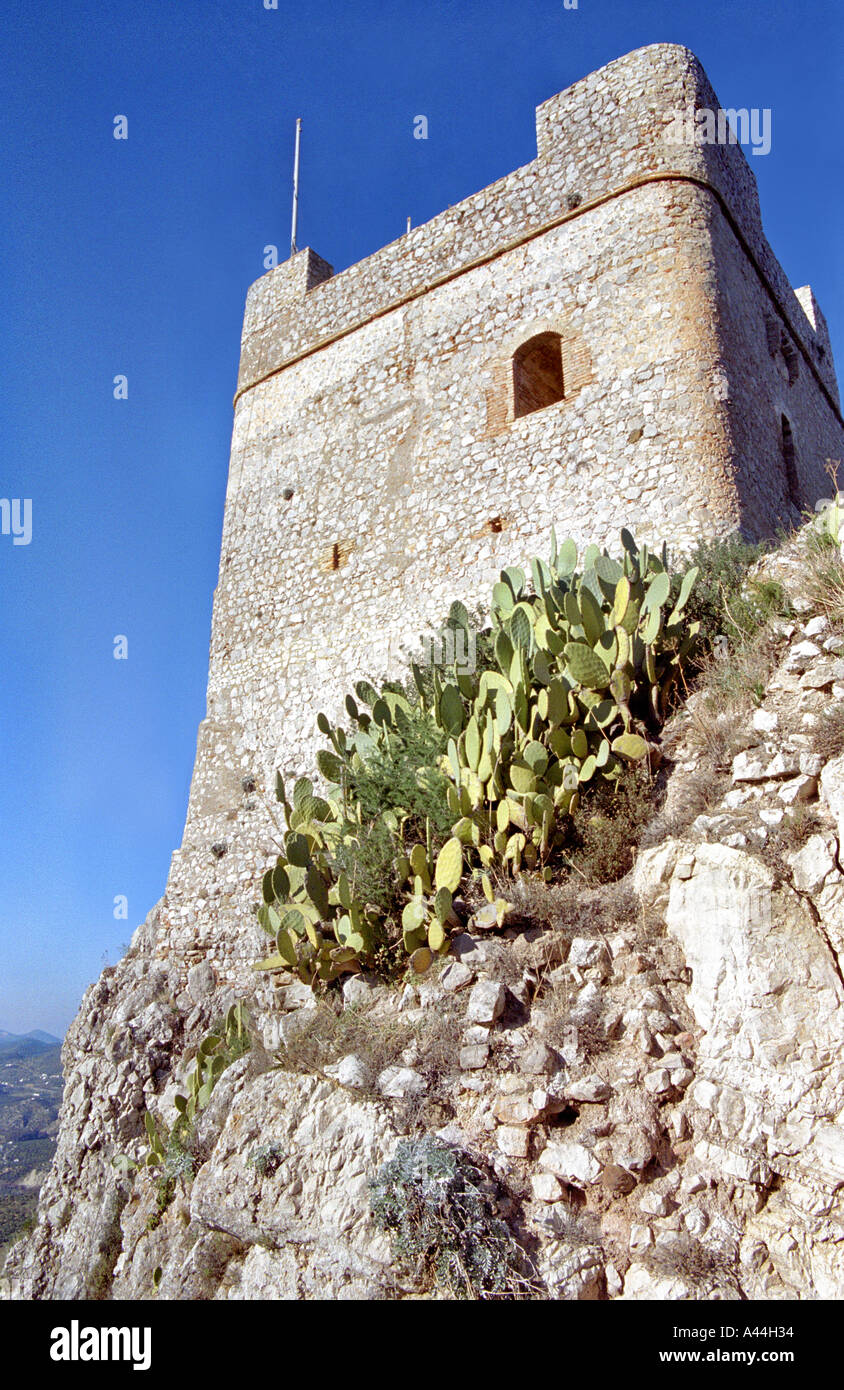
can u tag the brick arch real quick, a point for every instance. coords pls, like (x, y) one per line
(576, 363)
(538, 374)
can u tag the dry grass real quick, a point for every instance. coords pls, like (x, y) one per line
(736, 682)
(329, 1033)
(379, 1039)
(828, 733)
(788, 837)
(589, 1032)
(691, 794)
(823, 578)
(713, 738)
(572, 908)
(576, 1227)
(700, 1265)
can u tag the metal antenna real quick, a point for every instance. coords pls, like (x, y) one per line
(295, 188)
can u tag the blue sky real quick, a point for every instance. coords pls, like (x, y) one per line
(133, 257)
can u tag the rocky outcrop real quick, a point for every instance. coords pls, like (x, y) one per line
(281, 1211)
(115, 1055)
(769, 1089)
(651, 1080)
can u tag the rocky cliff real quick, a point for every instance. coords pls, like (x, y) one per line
(645, 1076)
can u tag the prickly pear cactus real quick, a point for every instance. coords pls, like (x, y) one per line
(585, 660)
(586, 664)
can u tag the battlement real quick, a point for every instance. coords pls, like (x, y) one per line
(608, 136)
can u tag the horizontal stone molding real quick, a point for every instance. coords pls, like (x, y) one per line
(514, 242)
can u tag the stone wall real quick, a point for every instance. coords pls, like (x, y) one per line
(378, 472)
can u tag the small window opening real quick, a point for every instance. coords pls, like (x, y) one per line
(334, 557)
(537, 374)
(789, 455)
(792, 361)
(496, 524)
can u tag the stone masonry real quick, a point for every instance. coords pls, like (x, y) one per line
(380, 467)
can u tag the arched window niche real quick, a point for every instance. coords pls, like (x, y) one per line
(789, 458)
(537, 374)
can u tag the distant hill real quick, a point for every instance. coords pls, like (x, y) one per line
(30, 1095)
(19, 1045)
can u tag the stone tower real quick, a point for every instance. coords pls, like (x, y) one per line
(601, 338)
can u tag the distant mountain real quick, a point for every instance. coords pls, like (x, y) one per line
(37, 1034)
(17, 1045)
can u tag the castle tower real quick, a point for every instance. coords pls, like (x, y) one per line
(602, 338)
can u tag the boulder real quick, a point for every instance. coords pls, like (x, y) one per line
(486, 1003)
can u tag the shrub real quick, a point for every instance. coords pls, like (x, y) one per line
(266, 1159)
(733, 605)
(436, 1205)
(721, 601)
(178, 1165)
(403, 774)
(608, 826)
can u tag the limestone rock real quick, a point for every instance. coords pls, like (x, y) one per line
(513, 1140)
(574, 1163)
(656, 1203)
(349, 1071)
(641, 1283)
(766, 988)
(545, 1187)
(360, 989)
(832, 792)
(201, 981)
(397, 1083)
(748, 768)
(474, 1056)
(313, 1210)
(588, 952)
(814, 863)
(572, 1276)
(519, 1109)
(537, 1059)
(456, 976)
(486, 1003)
(589, 1090)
